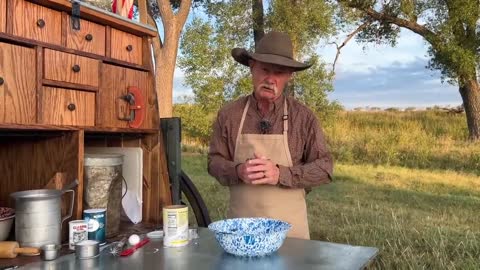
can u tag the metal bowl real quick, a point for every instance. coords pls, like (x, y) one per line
(87, 249)
(250, 237)
(49, 252)
(6, 220)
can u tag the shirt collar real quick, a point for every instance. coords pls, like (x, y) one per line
(275, 106)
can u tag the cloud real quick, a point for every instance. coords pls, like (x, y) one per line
(179, 89)
(396, 85)
(385, 76)
(361, 57)
(378, 76)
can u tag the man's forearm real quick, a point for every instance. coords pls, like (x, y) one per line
(223, 170)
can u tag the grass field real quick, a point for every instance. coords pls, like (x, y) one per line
(418, 219)
(404, 182)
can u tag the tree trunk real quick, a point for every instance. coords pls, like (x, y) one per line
(164, 71)
(470, 92)
(165, 53)
(142, 10)
(258, 21)
(165, 59)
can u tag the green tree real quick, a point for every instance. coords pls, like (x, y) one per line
(451, 29)
(216, 78)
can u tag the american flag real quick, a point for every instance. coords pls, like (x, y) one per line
(123, 8)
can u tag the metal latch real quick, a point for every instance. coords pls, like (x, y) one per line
(135, 106)
(75, 15)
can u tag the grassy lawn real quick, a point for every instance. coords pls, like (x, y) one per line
(419, 219)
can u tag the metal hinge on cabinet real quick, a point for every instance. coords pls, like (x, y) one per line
(75, 15)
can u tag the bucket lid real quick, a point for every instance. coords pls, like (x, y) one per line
(94, 210)
(103, 159)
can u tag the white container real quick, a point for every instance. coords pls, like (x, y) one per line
(132, 171)
(102, 188)
(78, 232)
(175, 226)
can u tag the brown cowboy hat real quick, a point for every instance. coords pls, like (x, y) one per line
(274, 48)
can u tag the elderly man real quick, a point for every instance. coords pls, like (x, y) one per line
(267, 147)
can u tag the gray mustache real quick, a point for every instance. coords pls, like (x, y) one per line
(268, 86)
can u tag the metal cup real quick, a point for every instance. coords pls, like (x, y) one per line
(49, 252)
(87, 249)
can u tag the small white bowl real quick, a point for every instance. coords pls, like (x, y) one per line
(5, 227)
(155, 234)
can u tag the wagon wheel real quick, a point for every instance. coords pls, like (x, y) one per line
(195, 199)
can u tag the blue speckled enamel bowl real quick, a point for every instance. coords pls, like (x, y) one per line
(250, 237)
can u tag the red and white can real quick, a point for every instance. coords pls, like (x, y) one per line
(78, 232)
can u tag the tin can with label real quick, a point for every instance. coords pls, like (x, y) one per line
(77, 232)
(175, 225)
(95, 219)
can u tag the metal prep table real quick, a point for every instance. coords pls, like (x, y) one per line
(206, 254)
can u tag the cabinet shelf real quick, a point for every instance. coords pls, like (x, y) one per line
(39, 128)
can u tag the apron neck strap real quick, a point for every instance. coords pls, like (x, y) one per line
(284, 118)
(243, 118)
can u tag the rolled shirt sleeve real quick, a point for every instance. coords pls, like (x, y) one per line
(220, 161)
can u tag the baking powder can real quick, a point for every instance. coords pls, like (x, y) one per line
(96, 220)
(77, 232)
(175, 225)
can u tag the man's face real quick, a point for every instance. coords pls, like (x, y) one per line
(269, 80)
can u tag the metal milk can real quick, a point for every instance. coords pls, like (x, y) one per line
(38, 217)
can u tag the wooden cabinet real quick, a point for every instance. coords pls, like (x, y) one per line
(143, 81)
(63, 89)
(89, 38)
(36, 22)
(17, 84)
(3, 15)
(126, 47)
(71, 68)
(112, 88)
(68, 107)
(114, 85)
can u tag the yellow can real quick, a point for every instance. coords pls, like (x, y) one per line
(175, 225)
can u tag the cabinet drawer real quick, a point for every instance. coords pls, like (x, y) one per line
(71, 68)
(17, 84)
(116, 85)
(126, 47)
(90, 38)
(36, 22)
(3, 15)
(68, 107)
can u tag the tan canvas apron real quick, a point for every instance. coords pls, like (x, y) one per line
(266, 200)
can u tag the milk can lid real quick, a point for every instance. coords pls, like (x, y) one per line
(103, 159)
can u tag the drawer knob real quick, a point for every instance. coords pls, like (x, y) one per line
(41, 23)
(1, 81)
(88, 37)
(129, 48)
(71, 107)
(76, 68)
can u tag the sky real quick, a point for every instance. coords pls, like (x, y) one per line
(378, 76)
